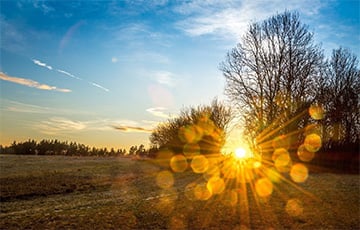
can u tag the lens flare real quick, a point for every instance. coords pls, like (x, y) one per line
(165, 179)
(299, 173)
(212, 171)
(178, 163)
(199, 164)
(230, 198)
(163, 156)
(294, 207)
(305, 155)
(316, 112)
(190, 134)
(273, 175)
(216, 185)
(312, 142)
(282, 160)
(201, 192)
(263, 187)
(191, 150)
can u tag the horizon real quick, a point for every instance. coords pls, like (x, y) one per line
(87, 67)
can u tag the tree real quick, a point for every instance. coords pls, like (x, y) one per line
(132, 150)
(270, 75)
(202, 126)
(339, 91)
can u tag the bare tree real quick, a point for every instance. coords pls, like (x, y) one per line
(270, 74)
(204, 126)
(339, 94)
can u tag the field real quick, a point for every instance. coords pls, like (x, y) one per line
(56, 192)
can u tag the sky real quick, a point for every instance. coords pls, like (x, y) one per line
(74, 70)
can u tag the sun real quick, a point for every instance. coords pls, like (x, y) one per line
(240, 153)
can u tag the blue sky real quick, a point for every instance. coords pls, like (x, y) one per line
(72, 70)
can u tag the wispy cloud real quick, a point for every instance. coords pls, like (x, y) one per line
(59, 125)
(68, 74)
(42, 64)
(139, 36)
(15, 106)
(43, 7)
(134, 126)
(229, 19)
(20, 107)
(62, 125)
(31, 83)
(12, 38)
(99, 86)
(164, 78)
(158, 112)
(132, 129)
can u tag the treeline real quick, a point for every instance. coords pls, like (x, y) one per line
(65, 148)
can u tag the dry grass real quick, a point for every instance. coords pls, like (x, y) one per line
(54, 192)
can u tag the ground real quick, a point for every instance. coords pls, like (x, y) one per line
(58, 192)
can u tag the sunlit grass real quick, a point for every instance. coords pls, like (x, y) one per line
(129, 194)
(240, 172)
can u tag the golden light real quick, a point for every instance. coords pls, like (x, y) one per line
(263, 187)
(199, 164)
(240, 153)
(299, 173)
(258, 167)
(178, 163)
(316, 112)
(165, 179)
(294, 207)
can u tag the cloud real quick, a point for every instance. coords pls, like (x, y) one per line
(230, 19)
(158, 112)
(19, 107)
(139, 36)
(114, 60)
(31, 83)
(134, 126)
(43, 7)
(62, 125)
(132, 129)
(68, 74)
(99, 86)
(12, 38)
(59, 125)
(42, 64)
(25, 108)
(164, 78)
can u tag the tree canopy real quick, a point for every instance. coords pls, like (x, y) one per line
(201, 127)
(270, 73)
(283, 87)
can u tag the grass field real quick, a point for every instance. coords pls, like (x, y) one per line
(55, 192)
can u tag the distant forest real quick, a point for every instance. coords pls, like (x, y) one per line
(65, 148)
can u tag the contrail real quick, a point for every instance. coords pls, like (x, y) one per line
(43, 64)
